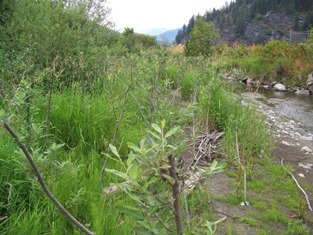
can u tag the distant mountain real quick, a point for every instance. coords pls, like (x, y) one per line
(256, 21)
(167, 37)
(155, 31)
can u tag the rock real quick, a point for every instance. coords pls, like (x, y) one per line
(305, 166)
(309, 138)
(280, 87)
(306, 149)
(309, 83)
(310, 79)
(302, 92)
(285, 132)
(285, 143)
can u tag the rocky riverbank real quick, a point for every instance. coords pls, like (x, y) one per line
(306, 89)
(294, 143)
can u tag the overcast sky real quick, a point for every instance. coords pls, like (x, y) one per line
(143, 15)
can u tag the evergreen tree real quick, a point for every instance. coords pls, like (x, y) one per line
(191, 24)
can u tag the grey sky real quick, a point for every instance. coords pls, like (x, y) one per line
(143, 15)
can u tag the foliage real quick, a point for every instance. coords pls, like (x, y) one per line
(136, 42)
(41, 31)
(148, 179)
(236, 14)
(276, 60)
(70, 43)
(202, 39)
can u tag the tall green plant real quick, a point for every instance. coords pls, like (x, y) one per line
(150, 179)
(202, 39)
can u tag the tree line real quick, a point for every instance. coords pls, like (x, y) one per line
(239, 12)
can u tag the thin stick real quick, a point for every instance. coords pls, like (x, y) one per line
(121, 115)
(115, 133)
(220, 220)
(179, 84)
(3, 218)
(139, 107)
(172, 100)
(305, 194)
(195, 94)
(162, 223)
(186, 210)
(42, 183)
(244, 170)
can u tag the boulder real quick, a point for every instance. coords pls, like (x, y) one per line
(306, 149)
(302, 92)
(279, 87)
(309, 83)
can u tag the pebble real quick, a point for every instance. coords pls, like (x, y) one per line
(306, 166)
(306, 149)
(285, 132)
(285, 143)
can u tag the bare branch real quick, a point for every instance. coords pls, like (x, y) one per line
(305, 194)
(115, 133)
(42, 183)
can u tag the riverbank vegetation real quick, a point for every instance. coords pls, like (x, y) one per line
(275, 61)
(95, 110)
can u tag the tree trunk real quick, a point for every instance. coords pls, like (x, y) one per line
(175, 188)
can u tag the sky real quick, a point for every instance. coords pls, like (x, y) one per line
(144, 15)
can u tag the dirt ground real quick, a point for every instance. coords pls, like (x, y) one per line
(286, 147)
(301, 162)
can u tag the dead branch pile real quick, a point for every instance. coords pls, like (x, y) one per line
(207, 148)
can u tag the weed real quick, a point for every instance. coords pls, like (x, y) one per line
(295, 227)
(248, 221)
(274, 215)
(259, 205)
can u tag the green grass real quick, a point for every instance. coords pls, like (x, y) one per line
(248, 221)
(85, 120)
(274, 215)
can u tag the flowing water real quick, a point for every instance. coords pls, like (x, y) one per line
(293, 106)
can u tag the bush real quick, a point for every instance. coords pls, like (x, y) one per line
(188, 85)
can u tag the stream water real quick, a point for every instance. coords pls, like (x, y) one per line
(293, 106)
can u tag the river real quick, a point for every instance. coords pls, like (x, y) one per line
(290, 105)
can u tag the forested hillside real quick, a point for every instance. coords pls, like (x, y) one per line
(255, 21)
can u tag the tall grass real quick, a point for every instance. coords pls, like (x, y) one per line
(226, 113)
(84, 120)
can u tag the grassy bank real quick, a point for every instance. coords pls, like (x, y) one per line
(275, 61)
